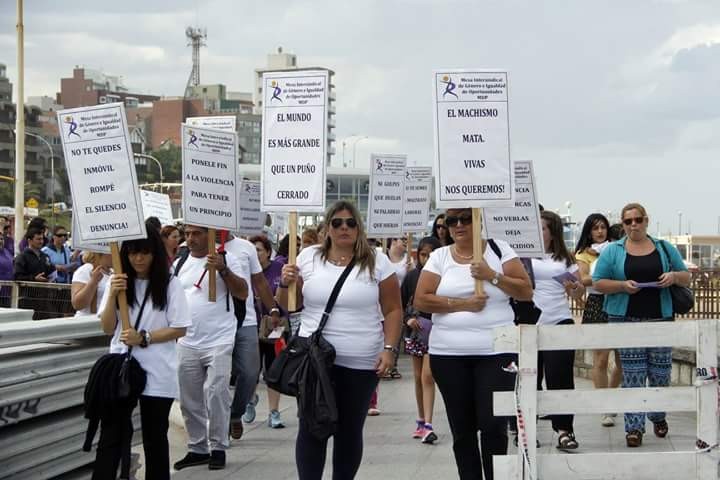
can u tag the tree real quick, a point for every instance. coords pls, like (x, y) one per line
(171, 160)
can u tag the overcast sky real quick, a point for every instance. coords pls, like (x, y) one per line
(615, 101)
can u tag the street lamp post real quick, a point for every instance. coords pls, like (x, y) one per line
(150, 157)
(52, 173)
(355, 146)
(679, 223)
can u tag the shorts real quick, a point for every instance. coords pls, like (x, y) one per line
(593, 312)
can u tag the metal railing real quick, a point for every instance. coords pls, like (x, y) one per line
(47, 300)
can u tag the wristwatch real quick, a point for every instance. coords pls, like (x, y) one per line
(146, 338)
(390, 348)
(224, 272)
(496, 279)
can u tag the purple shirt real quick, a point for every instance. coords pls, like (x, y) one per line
(272, 275)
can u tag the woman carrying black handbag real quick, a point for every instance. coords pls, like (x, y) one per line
(363, 344)
(160, 315)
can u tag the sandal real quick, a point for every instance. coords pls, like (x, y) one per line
(660, 428)
(392, 374)
(566, 441)
(634, 438)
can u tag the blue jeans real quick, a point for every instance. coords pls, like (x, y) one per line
(644, 367)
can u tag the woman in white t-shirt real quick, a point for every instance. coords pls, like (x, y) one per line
(89, 282)
(364, 343)
(466, 369)
(401, 261)
(160, 302)
(556, 277)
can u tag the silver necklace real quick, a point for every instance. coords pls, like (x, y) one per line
(461, 256)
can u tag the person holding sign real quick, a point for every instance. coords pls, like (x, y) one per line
(89, 282)
(205, 353)
(160, 314)
(556, 277)
(355, 329)
(465, 366)
(635, 274)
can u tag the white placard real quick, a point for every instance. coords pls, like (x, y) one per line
(521, 225)
(224, 123)
(101, 172)
(294, 143)
(77, 244)
(157, 205)
(251, 220)
(418, 185)
(472, 139)
(210, 172)
(385, 203)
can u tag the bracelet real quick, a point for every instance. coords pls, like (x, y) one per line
(274, 310)
(280, 285)
(390, 348)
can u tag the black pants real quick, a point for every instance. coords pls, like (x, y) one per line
(559, 375)
(353, 389)
(154, 413)
(467, 384)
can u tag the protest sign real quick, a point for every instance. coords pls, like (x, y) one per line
(157, 205)
(210, 166)
(101, 173)
(251, 219)
(78, 244)
(472, 141)
(225, 123)
(385, 203)
(294, 143)
(418, 184)
(520, 225)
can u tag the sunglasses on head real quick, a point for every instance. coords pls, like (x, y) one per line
(630, 221)
(338, 222)
(452, 221)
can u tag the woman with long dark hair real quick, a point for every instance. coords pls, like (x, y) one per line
(441, 232)
(550, 295)
(159, 301)
(363, 335)
(594, 238)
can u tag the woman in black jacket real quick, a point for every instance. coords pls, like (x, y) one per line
(418, 327)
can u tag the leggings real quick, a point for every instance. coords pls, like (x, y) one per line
(467, 384)
(353, 389)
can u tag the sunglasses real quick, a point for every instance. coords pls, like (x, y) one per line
(452, 221)
(338, 222)
(61, 234)
(630, 221)
(440, 225)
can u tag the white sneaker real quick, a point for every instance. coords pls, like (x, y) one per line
(607, 421)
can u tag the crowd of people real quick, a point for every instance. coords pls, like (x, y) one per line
(211, 355)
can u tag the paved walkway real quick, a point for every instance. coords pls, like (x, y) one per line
(390, 452)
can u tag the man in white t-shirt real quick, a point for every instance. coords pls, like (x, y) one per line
(205, 352)
(246, 354)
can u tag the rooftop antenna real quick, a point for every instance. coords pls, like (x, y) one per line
(196, 39)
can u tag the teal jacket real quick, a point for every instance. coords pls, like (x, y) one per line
(611, 266)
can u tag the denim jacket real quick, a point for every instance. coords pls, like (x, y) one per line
(611, 266)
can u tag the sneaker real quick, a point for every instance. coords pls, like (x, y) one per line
(420, 430)
(373, 412)
(250, 413)
(236, 429)
(274, 420)
(191, 460)
(607, 421)
(217, 460)
(429, 436)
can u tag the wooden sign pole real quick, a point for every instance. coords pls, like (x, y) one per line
(122, 296)
(212, 281)
(292, 257)
(409, 248)
(478, 249)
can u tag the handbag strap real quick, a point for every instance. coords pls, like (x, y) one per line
(667, 255)
(333, 296)
(139, 315)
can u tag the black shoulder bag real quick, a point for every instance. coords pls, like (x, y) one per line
(683, 298)
(302, 370)
(526, 312)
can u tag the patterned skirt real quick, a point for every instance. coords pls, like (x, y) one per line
(593, 312)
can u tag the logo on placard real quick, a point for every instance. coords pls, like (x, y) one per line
(193, 139)
(378, 165)
(449, 86)
(72, 126)
(407, 174)
(276, 91)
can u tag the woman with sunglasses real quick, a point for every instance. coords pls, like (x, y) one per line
(364, 343)
(441, 232)
(634, 273)
(594, 238)
(159, 301)
(465, 366)
(557, 277)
